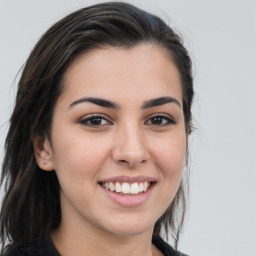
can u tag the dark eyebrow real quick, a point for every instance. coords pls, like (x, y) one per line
(97, 101)
(160, 101)
(109, 104)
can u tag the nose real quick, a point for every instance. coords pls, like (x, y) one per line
(130, 147)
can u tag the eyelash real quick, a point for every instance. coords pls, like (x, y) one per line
(91, 117)
(168, 121)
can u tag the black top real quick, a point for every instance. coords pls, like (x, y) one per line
(45, 247)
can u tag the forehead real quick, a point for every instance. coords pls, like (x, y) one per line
(144, 70)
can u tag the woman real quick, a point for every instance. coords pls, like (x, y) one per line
(98, 138)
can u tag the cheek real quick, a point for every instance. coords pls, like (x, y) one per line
(77, 164)
(171, 161)
(171, 154)
(79, 156)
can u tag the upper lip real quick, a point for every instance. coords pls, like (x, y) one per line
(129, 179)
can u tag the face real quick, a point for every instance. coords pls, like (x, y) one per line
(118, 140)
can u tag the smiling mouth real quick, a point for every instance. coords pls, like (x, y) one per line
(127, 189)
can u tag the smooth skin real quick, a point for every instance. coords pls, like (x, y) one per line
(125, 139)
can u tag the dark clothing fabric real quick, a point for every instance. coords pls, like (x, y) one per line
(165, 248)
(45, 247)
(42, 247)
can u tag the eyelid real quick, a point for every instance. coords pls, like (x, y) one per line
(168, 117)
(87, 118)
(170, 120)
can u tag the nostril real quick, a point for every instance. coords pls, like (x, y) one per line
(125, 162)
(131, 163)
(128, 163)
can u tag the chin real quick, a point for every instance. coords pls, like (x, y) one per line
(129, 227)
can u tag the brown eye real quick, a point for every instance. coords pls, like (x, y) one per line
(157, 120)
(95, 121)
(160, 120)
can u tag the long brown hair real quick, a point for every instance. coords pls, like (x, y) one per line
(31, 205)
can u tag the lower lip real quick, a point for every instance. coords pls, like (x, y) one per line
(129, 200)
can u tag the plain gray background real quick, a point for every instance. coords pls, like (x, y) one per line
(220, 36)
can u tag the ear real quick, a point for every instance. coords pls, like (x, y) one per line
(43, 153)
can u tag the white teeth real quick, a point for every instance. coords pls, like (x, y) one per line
(111, 186)
(134, 188)
(145, 186)
(127, 188)
(141, 187)
(118, 187)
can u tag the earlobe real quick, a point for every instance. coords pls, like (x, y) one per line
(43, 153)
